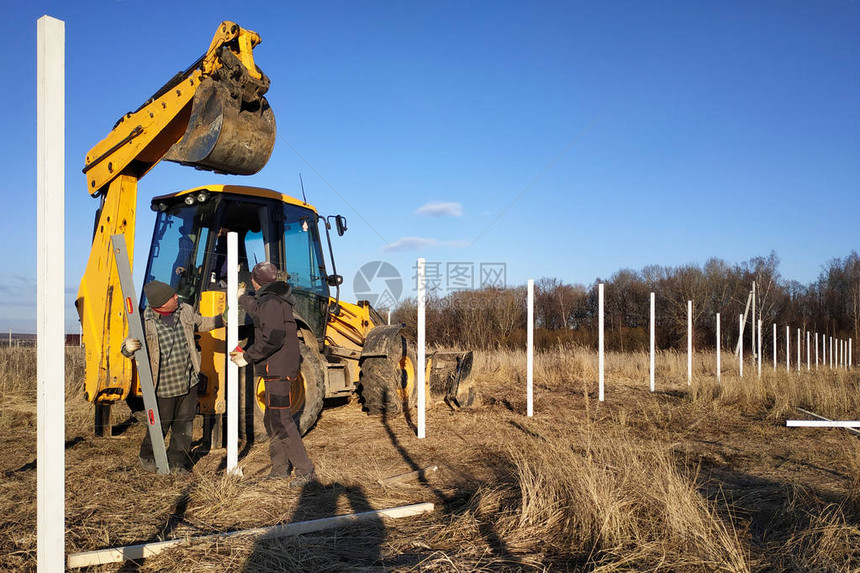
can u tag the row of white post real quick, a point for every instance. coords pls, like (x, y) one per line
(843, 350)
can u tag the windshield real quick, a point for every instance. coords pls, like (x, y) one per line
(178, 251)
(303, 251)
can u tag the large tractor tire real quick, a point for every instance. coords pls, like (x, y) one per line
(307, 393)
(387, 377)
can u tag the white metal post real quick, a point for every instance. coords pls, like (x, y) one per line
(831, 353)
(653, 322)
(759, 348)
(741, 346)
(824, 350)
(798, 350)
(849, 354)
(50, 266)
(233, 342)
(808, 353)
(787, 348)
(774, 347)
(816, 350)
(689, 342)
(422, 356)
(600, 358)
(389, 317)
(530, 349)
(752, 322)
(719, 344)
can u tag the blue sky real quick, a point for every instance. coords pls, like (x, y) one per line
(565, 139)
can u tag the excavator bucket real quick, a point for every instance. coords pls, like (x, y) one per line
(450, 379)
(231, 129)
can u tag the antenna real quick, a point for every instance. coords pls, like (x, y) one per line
(305, 199)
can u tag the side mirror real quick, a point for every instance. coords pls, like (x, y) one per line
(340, 221)
(334, 280)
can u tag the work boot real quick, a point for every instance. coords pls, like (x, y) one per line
(148, 464)
(303, 480)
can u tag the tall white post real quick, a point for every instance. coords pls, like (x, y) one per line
(831, 353)
(719, 348)
(653, 322)
(774, 347)
(759, 348)
(849, 354)
(816, 350)
(600, 358)
(787, 348)
(530, 352)
(823, 350)
(422, 356)
(233, 342)
(752, 323)
(389, 317)
(50, 266)
(689, 342)
(798, 350)
(741, 346)
(808, 353)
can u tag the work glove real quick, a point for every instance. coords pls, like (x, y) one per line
(237, 357)
(131, 345)
(224, 315)
(241, 290)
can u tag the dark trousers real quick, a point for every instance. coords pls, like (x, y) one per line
(177, 416)
(285, 441)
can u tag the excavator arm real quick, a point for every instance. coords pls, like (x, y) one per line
(212, 116)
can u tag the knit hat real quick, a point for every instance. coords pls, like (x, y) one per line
(158, 293)
(265, 273)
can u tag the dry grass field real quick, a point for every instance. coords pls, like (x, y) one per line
(687, 479)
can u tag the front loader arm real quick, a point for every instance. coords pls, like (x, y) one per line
(211, 116)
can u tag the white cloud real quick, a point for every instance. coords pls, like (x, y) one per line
(441, 210)
(410, 244)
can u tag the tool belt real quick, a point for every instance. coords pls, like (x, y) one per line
(278, 392)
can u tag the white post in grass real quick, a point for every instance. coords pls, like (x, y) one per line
(741, 345)
(600, 359)
(652, 340)
(808, 353)
(689, 342)
(759, 348)
(774, 347)
(719, 344)
(849, 354)
(530, 352)
(816, 350)
(50, 267)
(831, 353)
(422, 356)
(798, 350)
(823, 350)
(787, 349)
(752, 322)
(232, 342)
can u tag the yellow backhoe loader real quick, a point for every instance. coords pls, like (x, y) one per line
(214, 116)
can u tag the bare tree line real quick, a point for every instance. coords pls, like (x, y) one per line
(568, 313)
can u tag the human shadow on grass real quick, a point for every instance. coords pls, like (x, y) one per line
(461, 500)
(175, 518)
(346, 547)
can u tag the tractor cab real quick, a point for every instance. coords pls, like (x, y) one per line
(189, 246)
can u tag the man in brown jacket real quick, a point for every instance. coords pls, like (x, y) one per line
(169, 327)
(276, 357)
